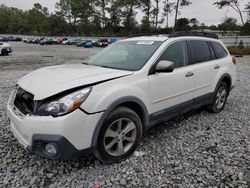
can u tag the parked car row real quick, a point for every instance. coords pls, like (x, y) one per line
(10, 38)
(87, 43)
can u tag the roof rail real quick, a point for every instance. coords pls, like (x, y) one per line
(143, 35)
(194, 34)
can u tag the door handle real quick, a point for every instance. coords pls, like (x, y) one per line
(189, 74)
(216, 66)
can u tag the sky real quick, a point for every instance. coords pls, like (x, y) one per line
(203, 10)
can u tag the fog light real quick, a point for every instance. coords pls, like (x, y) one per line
(51, 149)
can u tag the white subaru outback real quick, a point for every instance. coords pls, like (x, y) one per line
(105, 105)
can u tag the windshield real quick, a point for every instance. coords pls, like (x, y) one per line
(127, 55)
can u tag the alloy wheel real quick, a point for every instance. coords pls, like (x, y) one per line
(221, 97)
(120, 137)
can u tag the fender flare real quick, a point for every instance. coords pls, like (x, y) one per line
(111, 107)
(226, 75)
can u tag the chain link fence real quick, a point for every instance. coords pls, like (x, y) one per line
(235, 40)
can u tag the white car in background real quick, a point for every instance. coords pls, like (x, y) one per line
(5, 49)
(106, 105)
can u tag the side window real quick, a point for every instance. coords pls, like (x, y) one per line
(220, 52)
(177, 53)
(213, 56)
(200, 51)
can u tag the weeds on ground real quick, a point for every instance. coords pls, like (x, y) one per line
(239, 50)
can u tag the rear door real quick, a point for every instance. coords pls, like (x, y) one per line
(204, 67)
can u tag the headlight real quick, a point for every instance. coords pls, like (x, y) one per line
(65, 104)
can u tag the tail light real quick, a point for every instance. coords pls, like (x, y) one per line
(234, 60)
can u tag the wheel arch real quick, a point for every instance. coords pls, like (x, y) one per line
(225, 78)
(131, 102)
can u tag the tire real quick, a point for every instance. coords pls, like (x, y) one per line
(220, 98)
(119, 136)
(4, 53)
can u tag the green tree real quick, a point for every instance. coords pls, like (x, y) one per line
(156, 12)
(194, 23)
(57, 26)
(178, 5)
(146, 6)
(43, 10)
(115, 15)
(36, 20)
(246, 29)
(247, 8)
(128, 13)
(75, 11)
(234, 4)
(103, 6)
(182, 24)
(167, 10)
(63, 9)
(229, 24)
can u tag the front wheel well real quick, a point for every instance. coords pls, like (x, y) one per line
(137, 109)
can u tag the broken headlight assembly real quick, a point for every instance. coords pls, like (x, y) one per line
(65, 104)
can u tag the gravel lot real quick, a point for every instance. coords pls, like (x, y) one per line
(198, 149)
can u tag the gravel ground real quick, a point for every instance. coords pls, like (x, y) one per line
(198, 149)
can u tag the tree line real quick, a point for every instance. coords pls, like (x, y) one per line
(112, 17)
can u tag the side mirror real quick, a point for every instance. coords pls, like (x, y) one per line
(164, 66)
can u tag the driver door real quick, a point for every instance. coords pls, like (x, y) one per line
(172, 92)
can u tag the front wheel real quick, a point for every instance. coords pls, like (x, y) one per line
(120, 135)
(4, 53)
(220, 98)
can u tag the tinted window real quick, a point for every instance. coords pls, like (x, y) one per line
(176, 53)
(213, 56)
(220, 52)
(200, 51)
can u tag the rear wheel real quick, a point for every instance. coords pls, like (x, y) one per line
(120, 135)
(220, 98)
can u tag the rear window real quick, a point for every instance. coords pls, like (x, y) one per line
(219, 50)
(200, 51)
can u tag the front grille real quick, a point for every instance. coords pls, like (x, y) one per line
(24, 101)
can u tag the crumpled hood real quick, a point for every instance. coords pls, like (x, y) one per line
(49, 81)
